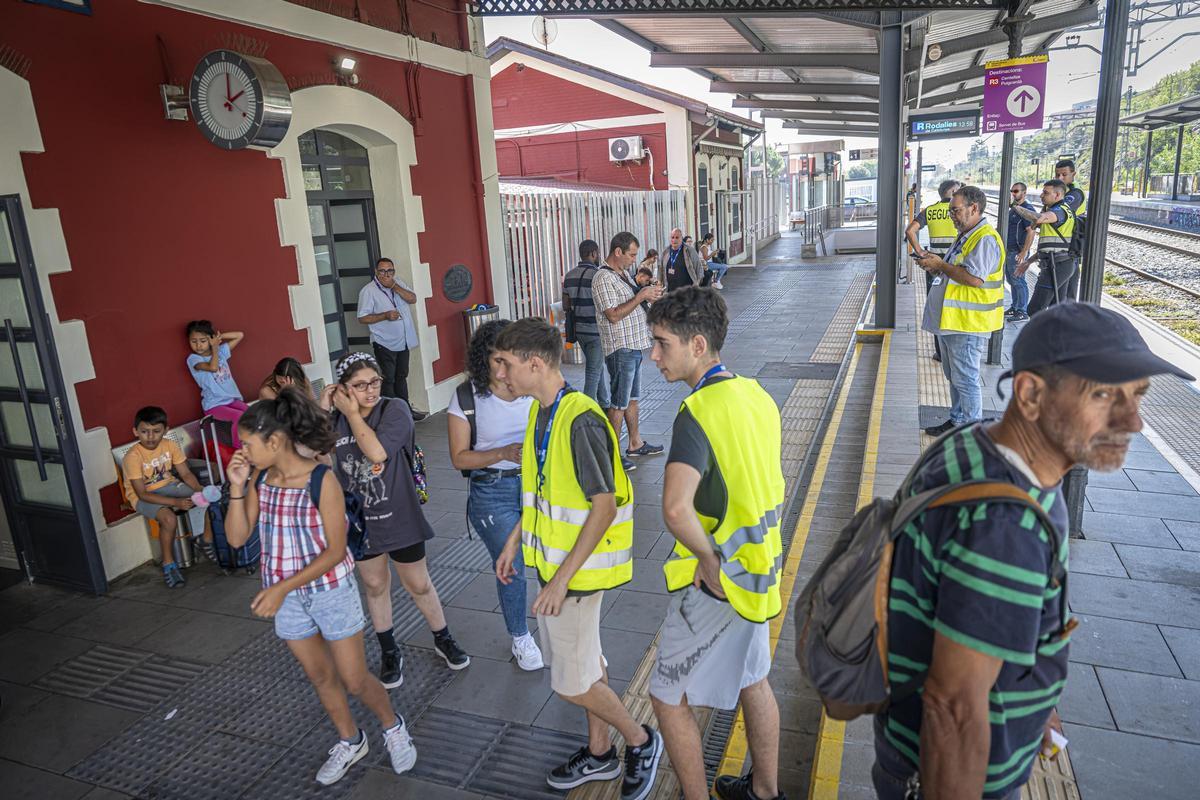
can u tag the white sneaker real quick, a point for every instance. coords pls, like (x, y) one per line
(717, 285)
(342, 756)
(400, 748)
(529, 656)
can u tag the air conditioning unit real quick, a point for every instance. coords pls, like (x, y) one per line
(626, 148)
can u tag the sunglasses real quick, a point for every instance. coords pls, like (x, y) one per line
(385, 272)
(1015, 191)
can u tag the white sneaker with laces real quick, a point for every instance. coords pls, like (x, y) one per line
(342, 756)
(529, 656)
(400, 748)
(717, 285)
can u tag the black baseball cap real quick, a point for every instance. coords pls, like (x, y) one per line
(1089, 341)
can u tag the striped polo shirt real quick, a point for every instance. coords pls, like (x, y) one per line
(980, 576)
(577, 284)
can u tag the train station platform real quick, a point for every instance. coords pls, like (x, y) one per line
(152, 693)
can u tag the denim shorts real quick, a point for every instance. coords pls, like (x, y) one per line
(625, 375)
(335, 613)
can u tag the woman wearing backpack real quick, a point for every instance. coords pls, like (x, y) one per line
(488, 451)
(373, 455)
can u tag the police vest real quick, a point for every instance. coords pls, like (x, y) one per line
(552, 516)
(971, 309)
(942, 232)
(1057, 237)
(742, 425)
(1082, 210)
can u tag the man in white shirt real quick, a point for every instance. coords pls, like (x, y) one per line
(383, 306)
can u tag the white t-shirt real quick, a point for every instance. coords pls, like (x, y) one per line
(498, 423)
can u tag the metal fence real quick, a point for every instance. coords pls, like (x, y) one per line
(542, 232)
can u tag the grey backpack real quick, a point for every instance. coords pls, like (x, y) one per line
(842, 614)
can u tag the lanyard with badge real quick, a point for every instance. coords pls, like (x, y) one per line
(715, 370)
(389, 294)
(672, 259)
(543, 448)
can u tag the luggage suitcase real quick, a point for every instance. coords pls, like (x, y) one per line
(229, 558)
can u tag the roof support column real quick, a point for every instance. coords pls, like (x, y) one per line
(1104, 146)
(1146, 164)
(891, 169)
(1178, 155)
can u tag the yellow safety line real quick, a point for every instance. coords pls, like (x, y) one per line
(735, 749)
(827, 760)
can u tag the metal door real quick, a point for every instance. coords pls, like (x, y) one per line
(41, 477)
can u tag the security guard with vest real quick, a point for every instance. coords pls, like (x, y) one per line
(942, 234)
(722, 498)
(966, 303)
(576, 530)
(1059, 267)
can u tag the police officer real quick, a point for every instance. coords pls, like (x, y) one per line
(942, 234)
(1064, 170)
(1058, 266)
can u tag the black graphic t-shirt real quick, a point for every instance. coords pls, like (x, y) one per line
(393, 512)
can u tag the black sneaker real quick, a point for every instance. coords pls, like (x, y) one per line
(448, 649)
(627, 464)
(391, 672)
(1010, 312)
(418, 415)
(1020, 316)
(583, 767)
(728, 787)
(938, 430)
(646, 449)
(641, 767)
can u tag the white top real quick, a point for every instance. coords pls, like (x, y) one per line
(498, 423)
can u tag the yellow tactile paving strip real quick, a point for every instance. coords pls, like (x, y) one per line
(832, 347)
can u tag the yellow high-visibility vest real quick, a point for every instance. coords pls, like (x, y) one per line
(1050, 239)
(942, 232)
(742, 425)
(552, 517)
(975, 309)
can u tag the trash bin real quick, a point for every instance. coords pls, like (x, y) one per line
(571, 353)
(475, 317)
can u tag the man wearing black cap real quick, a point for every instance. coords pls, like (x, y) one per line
(977, 612)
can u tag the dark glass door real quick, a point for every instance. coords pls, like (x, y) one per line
(41, 477)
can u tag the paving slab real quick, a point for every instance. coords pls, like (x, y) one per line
(1187, 534)
(496, 689)
(1147, 531)
(380, 785)
(201, 636)
(1095, 558)
(1110, 480)
(21, 782)
(1122, 766)
(1162, 566)
(640, 612)
(26, 655)
(1083, 699)
(1146, 504)
(1185, 646)
(1119, 643)
(1141, 601)
(59, 732)
(1153, 705)
(1156, 481)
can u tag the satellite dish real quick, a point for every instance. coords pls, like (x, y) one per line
(545, 30)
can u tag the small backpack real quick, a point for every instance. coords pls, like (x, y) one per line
(356, 517)
(466, 401)
(842, 614)
(416, 464)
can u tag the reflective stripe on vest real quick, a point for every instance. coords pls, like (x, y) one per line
(1049, 238)
(551, 520)
(942, 232)
(742, 425)
(976, 309)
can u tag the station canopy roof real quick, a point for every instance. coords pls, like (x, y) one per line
(1183, 112)
(815, 63)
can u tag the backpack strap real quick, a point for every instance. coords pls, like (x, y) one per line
(466, 401)
(314, 484)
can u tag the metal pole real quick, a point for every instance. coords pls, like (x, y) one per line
(1178, 155)
(1146, 165)
(891, 169)
(1108, 110)
(1016, 31)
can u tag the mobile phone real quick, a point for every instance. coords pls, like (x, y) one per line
(917, 255)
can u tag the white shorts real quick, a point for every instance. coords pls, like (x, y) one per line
(571, 645)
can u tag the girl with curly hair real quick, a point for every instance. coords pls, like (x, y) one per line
(493, 462)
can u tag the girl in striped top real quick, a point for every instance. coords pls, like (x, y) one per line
(307, 572)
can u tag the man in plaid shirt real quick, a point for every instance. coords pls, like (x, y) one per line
(624, 334)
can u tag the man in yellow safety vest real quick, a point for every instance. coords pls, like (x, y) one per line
(942, 234)
(1059, 268)
(722, 501)
(576, 530)
(965, 303)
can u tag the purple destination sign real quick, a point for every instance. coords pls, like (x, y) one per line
(1014, 94)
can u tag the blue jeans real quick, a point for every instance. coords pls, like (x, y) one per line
(494, 509)
(718, 270)
(625, 367)
(595, 377)
(1020, 289)
(962, 354)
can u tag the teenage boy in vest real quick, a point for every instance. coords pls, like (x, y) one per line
(722, 498)
(1057, 266)
(965, 304)
(576, 530)
(942, 234)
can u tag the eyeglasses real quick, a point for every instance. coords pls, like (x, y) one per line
(1015, 191)
(363, 386)
(384, 273)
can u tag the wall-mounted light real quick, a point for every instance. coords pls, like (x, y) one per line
(345, 66)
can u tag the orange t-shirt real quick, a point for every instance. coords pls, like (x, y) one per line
(152, 466)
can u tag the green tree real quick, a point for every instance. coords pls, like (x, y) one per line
(862, 170)
(775, 166)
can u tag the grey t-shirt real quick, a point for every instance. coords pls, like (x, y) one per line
(981, 262)
(393, 512)
(592, 450)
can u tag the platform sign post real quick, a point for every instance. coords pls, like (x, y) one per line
(1014, 94)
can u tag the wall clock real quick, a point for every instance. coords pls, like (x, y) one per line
(240, 101)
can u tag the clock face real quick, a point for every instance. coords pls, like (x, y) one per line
(239, 101)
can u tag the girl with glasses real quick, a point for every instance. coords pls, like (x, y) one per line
(373, 454)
